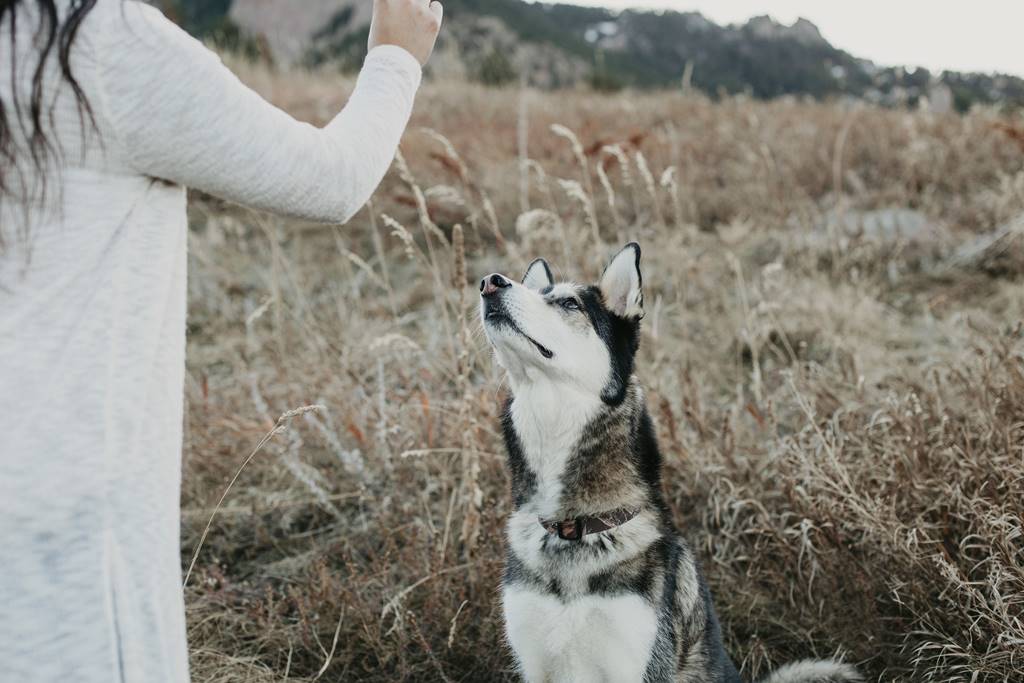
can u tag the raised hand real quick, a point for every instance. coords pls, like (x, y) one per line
(409, 24)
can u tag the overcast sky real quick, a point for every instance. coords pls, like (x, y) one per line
(979, 35)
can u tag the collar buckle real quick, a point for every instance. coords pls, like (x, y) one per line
(571, 529)
(575, 529)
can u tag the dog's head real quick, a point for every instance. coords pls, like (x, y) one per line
(585, 336)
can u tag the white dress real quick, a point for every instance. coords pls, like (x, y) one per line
(92, 324)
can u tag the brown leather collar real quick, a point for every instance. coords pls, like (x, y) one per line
(576, 529)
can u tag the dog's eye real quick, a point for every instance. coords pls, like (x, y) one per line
(570, 304)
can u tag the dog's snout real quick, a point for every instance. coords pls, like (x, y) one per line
(492, 283)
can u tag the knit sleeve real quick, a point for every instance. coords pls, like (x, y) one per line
(180, 115)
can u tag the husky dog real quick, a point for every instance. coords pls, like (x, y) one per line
(598, 585)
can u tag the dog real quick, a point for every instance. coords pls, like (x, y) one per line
(598, 585)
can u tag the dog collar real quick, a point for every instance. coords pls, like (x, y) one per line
(575, 529)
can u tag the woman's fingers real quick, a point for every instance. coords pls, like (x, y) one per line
(409, 24)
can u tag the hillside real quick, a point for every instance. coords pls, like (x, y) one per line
(552, 45)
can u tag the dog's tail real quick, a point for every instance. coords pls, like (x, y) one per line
(814, 671)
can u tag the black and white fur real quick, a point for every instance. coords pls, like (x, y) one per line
(627, 604)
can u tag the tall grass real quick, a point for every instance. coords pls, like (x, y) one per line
(841, 409)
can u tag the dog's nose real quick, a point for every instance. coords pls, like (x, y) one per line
(492, 283)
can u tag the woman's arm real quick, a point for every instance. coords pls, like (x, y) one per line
(179, 114)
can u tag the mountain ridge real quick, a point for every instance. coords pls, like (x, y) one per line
(556, 45)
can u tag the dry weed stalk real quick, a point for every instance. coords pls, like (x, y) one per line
(670, 181)
(538, 229)
(575, 191)
(452, 156)
(652, 191)
(378, 249)
(471, 494)
(531, 165)
(279, 426)
(495, 226)
(616, 152)
(522, 148)
(486, 206)
(577, 151)
(430, 228)
(412, 251)
(609, 192)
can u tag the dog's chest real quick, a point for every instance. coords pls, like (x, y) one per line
(559, 630)
(548, 437)
(588, 638)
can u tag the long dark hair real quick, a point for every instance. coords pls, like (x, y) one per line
(53, 37)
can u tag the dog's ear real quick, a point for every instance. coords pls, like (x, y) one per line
(622, 285)
(538, 275)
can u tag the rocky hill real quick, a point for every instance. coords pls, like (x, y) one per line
(552, 45)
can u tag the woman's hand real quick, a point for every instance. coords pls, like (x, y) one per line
(409, 24)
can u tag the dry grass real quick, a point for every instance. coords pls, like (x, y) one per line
(842, 414)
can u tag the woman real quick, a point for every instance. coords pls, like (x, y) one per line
(107, 112)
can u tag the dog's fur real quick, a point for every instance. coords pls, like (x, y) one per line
(629, 603)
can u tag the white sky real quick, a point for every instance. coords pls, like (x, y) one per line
(979, 35)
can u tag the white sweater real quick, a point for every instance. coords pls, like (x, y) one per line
(92, 324)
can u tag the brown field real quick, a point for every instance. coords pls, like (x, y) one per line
(833, 353)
